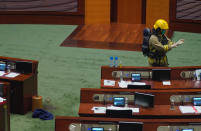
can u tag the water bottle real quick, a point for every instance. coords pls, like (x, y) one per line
(111, 61)
(116, 61)
(8, 68)
(121, 76)
(120, 64)
(126, 102)
(172, 104)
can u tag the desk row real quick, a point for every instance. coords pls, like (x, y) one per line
(114, 124)
(21, 84)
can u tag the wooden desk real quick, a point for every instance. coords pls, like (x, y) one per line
(159, 111)
(4, 117)
(158, 85)
(106, 71)
(177, 81)
(62, 123)
(22, 87)
(5, 87)
(162, 97)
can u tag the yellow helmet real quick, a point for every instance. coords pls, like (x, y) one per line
(162, 24)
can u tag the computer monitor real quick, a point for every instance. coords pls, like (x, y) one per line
(24, 66)
(2, 66)
(161, 74)
(188, 129)
(97, 129)
(144, 100)
(130, 126)
(197, 101)
(119, 101)
(135, 76)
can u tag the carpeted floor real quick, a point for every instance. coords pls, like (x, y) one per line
(64, 70)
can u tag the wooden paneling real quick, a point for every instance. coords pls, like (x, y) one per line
(129, 11)
(188, 10)
(97, 11)
(156, 9)
(192, 24)
(39, 5)
(44, 17)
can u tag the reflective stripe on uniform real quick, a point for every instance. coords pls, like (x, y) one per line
(162, 61)
(166, 47)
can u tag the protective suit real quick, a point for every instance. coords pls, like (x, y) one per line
(159, 44)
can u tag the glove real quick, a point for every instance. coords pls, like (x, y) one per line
(179, 42)
(174, 45)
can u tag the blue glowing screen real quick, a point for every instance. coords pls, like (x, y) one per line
(119, 101)
(197, 101)
(2, 66)
(97, 129)
(135, 77)
(187, 130)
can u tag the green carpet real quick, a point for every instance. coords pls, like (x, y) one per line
(64, 70)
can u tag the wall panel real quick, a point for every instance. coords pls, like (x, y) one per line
(156, 9)
(129, 11)
(97, 11)
(29, 12)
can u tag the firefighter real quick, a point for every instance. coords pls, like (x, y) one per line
(160, 44)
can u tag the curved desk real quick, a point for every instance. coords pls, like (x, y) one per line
(22, 87)
(180, 77)
(63, 123)
(159, 111)
(162, 97)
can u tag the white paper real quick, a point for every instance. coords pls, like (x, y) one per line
(109, 83)
(117, 108)
(99, 109)
(12, 74)
(186, 109)
(2, 99)
(167, 83)
(124, 84)
(198, 73)
(137, 83)
(134, 110)
(2, 73)
(198, 109)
